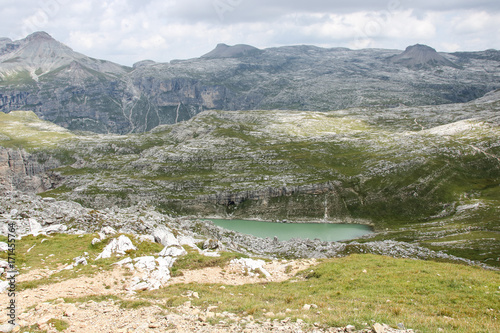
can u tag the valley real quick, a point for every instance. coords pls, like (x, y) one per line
(95, 156)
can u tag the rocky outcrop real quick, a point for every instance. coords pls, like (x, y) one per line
(24, 172)
(117, 246)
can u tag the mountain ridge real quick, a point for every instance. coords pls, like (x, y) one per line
(81, 93)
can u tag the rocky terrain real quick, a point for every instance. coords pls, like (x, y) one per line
(35, 216)
(424, 175)
(80, 93)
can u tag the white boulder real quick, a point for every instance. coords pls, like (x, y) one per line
(173, 251)
(35, 227)
(119, 246)
(252, 265)
(164, 236)
(3, 286)
(54, 229)
(108, 231)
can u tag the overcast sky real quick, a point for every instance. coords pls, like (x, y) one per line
(126, 31)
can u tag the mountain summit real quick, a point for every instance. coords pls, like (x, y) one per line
(39, 54)
(421, 56)
(226, 51)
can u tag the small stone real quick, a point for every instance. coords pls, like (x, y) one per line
(350, 328)
(70, 310)
(378, 328)
(195, 295)
(306, 307)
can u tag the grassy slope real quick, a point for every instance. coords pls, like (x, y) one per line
(362, 289)
(359, 289)
(23, 129)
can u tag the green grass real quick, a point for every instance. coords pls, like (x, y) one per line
(25, 130)
(425, 296)
(193, 260)
(39, 257)
(59, 324)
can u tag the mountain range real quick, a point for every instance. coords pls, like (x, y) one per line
(42, 75)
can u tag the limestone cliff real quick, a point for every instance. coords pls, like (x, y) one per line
(23, 172)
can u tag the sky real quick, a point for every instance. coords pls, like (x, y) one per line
(127, 31)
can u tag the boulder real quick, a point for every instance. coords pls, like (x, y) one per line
(211, 244)
(35, 227)
(164, 236)
(145, 263)
(80, 261)
(156, 272)
(108, 231)
(173, 251)
(252, 265)
(3, 286)
(118, 245)
(187, 240)
(54, 229)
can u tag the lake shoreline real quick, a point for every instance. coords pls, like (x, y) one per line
(294, 221)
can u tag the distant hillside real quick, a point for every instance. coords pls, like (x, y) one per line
(70, 89)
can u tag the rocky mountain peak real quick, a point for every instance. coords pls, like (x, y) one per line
(225, 51)
(38, 36)
(421, 56)
(39, 50)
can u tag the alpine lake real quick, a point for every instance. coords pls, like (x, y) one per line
(329, 232)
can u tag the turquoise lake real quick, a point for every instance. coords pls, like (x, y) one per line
(286, 231)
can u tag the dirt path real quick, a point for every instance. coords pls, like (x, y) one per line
(33, 307)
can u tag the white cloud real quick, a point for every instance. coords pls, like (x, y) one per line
(475, 22)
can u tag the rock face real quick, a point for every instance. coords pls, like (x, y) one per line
(40, 74)
(23, 172)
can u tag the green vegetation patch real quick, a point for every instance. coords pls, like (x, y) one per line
(23, 129)
(363, 289)
(54, 252)
(193, 260)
